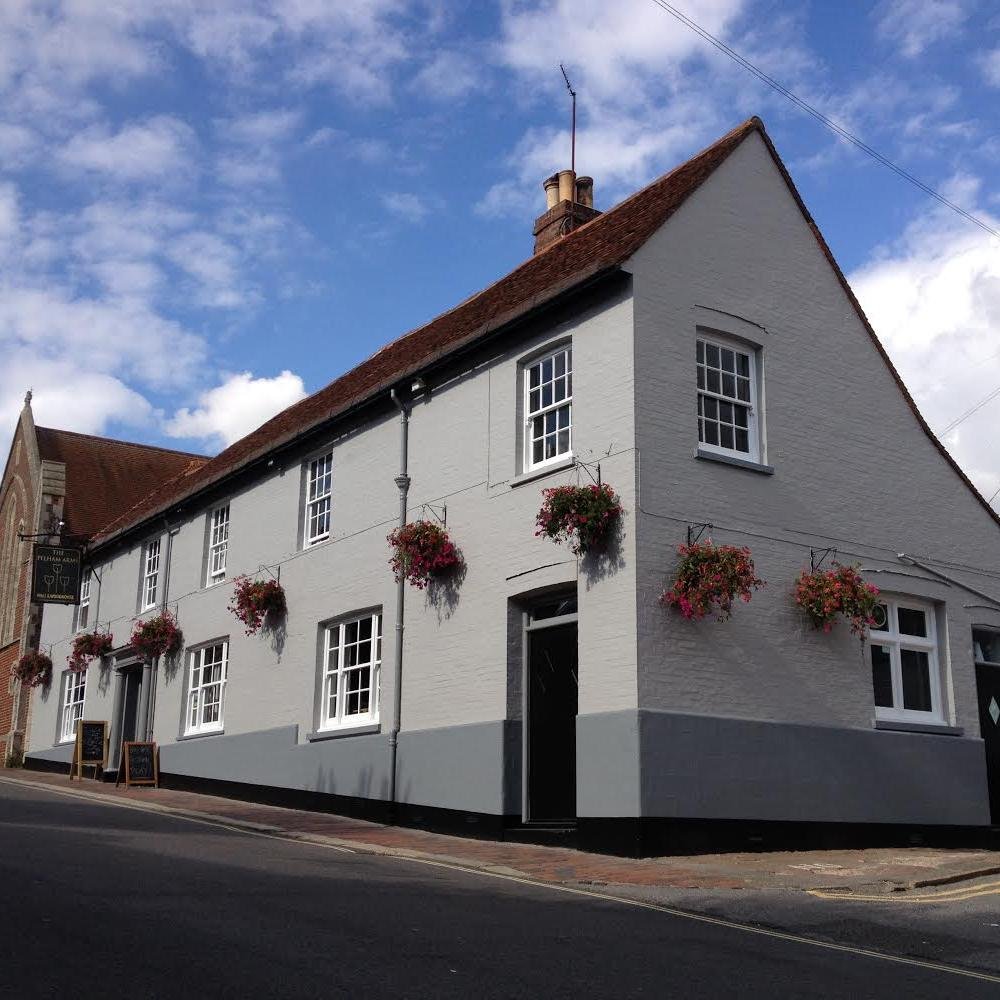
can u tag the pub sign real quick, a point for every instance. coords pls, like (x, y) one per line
(55, 575)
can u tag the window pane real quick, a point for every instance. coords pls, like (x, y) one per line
(912, 622)
(547, 370)
(916, 671)
(726, 412)
(986, 646)
(882, 676)
(743, 389)
(714, 385)
(701, 352)
(560, 368)
(743, 365)
(533, 377)
(534, 400)
(742, 441)
(711, 433)
(712, 408)
(729, 385)
(726, 436)
(712, 355)
(701, 378)
(547, 394)
(741, 416)
(728, 360)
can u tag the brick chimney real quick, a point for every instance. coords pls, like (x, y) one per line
(569, 203)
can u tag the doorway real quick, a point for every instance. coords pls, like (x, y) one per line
(988, 688)
(129, 688)
(551, 701)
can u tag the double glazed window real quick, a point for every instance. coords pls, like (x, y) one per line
(207, 688)
(150, 574)
(218, 544)
(352, 656)
(72, 706)
(319, 484)
(548, 408)
(83, 615)
(903, 652)
(727, 421)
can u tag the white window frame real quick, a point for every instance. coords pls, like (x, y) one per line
(194, 702)
(895, 641)
(83, 612)
(318, 499)
(73, 700)
(218, 545)
(336, 668)
(541, 411)
(150, 575)
(702, 393)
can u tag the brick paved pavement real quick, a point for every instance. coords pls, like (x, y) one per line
(885, 867)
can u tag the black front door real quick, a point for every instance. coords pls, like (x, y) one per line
(131, 682)
(988, 686)
(552, 705)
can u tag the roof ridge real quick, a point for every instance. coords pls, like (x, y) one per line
(127, 444)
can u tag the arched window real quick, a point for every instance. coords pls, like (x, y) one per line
(9, 570)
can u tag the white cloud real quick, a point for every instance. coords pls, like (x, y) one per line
(262, 127)
(161, 147)
(238, 405)
(914, 25)
(449, 75)
(989, 63)
(410, 207)
(934, 300)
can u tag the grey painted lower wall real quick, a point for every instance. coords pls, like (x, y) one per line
(468, 768)
(62, 754)
(607, 764)
(718, 768)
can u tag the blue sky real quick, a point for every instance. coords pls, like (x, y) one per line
(207, 210)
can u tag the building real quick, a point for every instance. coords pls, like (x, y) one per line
(540, 687)
(58, 487)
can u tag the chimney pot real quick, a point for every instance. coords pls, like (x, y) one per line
(567, 185)
(585, 191)
(551, 185)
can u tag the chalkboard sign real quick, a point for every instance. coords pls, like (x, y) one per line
(140, 764)
(91, 749)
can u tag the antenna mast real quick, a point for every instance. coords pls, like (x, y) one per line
(572, 148)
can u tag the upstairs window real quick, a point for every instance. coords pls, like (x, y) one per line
(352, 658)
(150, 575)
(548, 408)
(218, 544)
(83, 615)
(319, 485)
(72, 707)
(207, 688)
(727, 390)
(903, 652)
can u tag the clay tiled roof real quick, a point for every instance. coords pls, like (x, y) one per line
(106, 477)
(595, 248)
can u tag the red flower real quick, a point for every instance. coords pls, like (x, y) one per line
(711, 576)
(89, 646)
(579, 515)
(824, 594)
(422, 551)
(158, 636)
(258, 603)
(34, 669)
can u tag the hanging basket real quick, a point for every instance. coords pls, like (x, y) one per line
(422, 552)
(581, 516)
(89, 646)
(710, 578)
(823, 595)
(157, 636)
(34, 669)
(258, 604)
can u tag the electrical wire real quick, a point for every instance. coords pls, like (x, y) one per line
(969, 412)
(820, 117)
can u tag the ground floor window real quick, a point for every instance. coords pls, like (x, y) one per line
(352, 657)
(903, 652)
(207, 688)
(74, 692)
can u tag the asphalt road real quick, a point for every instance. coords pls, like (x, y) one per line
(102, 901)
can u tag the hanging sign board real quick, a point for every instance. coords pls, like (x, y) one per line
(91, 748)
(140, 765)
(55, 575)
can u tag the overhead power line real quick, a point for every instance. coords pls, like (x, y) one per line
(970, 411)
(819, 116)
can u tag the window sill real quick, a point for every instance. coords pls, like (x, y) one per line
(542, 471)
(336, 734)
(739, 463)
(201, 736)
(934, 728)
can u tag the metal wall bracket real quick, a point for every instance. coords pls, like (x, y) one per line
(818, 556)
(440, 513)
(695, 531)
